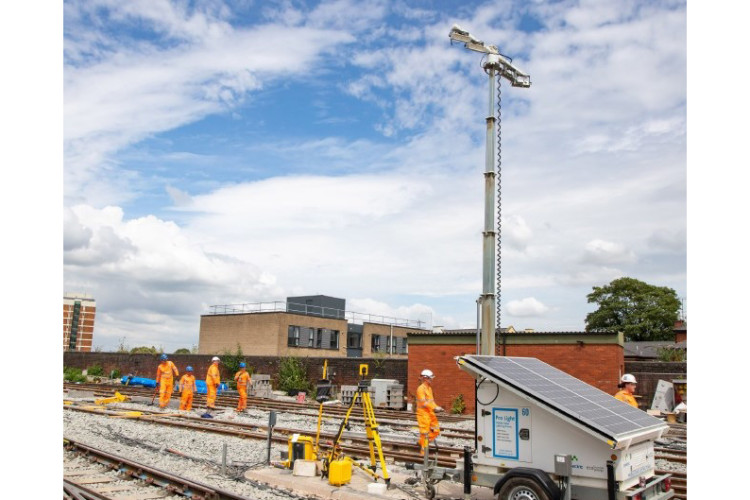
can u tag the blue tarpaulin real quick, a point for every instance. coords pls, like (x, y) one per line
(150, 382)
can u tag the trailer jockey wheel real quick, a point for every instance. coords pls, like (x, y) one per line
(522, 488)
(429, 491)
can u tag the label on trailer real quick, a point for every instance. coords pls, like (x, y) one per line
(505, 433)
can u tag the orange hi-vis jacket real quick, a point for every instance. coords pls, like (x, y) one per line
(187, 383)
(164, 372)
(243, 379)
(425, 400)
(213, 377)
(626, 397)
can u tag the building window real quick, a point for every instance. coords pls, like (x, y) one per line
(293, 339)
(354, 340)
(376, 343)
(334, 342)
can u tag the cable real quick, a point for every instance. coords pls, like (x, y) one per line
(493, 399)
(498, 261)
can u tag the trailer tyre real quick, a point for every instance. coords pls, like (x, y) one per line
(522, 488)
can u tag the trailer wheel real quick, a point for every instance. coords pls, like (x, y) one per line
(429, 491)
(522, 488)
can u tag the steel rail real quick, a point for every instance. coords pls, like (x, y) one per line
(353, 445)
(158, 478)
(230, 401)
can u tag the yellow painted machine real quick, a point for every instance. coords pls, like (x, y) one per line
(337, 467)
(117, 398)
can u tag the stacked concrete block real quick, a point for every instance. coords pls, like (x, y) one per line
(260, 386)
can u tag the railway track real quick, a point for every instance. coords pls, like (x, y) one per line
(228, 400)
(355, 445)
(104, 476)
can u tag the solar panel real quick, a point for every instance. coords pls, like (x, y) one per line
(566, 394)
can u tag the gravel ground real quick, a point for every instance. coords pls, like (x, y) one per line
(150, 444)
(202, 452)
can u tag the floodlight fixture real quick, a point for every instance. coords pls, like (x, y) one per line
(495, 59)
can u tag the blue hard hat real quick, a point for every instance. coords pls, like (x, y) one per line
(242, 365)
(189, 368)
(163, 357)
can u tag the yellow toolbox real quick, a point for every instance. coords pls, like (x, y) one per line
(340, 472)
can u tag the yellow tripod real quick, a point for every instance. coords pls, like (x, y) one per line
(371, 426)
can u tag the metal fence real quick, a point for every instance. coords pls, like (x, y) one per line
(311, 310)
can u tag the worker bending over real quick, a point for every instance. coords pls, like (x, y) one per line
(187, 388)
(627, 388)
(243, 382)
(429, 429)
(213, 380)
(165, 379)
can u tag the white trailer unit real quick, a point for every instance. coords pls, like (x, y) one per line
(542, 434)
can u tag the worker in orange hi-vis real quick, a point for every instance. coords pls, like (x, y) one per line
(165, 373)
(243, 383)
(187, 388)
(212, 383)
(627, 389)
(429, 429)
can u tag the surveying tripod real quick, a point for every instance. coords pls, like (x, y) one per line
(371, 426)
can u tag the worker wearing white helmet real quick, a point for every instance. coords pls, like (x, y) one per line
(627, 388)
(429, 428)
(213, 378)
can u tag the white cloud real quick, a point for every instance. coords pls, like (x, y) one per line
(607, 253)
(527, 307)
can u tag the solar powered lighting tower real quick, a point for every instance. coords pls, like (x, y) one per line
(494, 65)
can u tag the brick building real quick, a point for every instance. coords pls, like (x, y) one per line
(79, 313)
(596, 358)
(309, 326)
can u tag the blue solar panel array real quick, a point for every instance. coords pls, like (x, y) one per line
(567, 394)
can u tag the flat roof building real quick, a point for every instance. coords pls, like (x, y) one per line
(313, 325)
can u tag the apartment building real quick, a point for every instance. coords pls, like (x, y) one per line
(79, 313)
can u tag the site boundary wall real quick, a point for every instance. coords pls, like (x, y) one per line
(341, 371)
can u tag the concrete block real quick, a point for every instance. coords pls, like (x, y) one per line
(377, 488)
(305, 468)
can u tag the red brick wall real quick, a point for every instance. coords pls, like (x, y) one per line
(680, 336)
(449, 381)
(598, 365)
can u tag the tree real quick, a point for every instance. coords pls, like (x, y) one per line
(182, 350)
(144, 350)
(639, 310)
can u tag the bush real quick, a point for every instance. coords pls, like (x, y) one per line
(115, 373)
(293, 375)
(182, 350)
(95, 371)
(74, 375)
(458, 405)
(670, 354)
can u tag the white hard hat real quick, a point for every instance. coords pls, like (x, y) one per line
(428, 373)
(628, 379)
(215, 359)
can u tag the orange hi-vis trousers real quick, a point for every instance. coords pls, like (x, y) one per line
(242, 404)
(429, 428)
(186, 401)
(211, 396)
(166, 386)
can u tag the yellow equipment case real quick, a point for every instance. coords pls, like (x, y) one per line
(340, 472)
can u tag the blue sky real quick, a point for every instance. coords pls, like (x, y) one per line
(228, 152)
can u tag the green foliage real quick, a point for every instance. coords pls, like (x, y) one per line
(458, 405)
(115, 373)
(232, 360)
(73, 375)
(378, 359)
(182, 350)
(95, 371)
(293, 375)
(639, 310)
(144, 350)
(670, 354)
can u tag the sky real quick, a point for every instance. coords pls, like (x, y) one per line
(243, 152)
